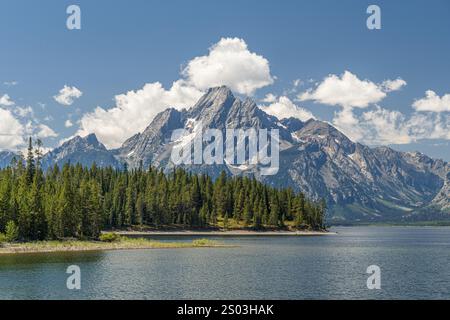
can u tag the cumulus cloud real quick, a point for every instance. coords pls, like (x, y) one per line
(374, 127)
(68, 123)
(229, 63)
(67, 95)
(348, 91)
(135, 110)
(393, 85)
(283, 108)
(5, 101)
(432, 102)
(43, 131)
(386, 127)
(269, 98)
(347, 122)
(382, 127)
(430, 126)
(11, 131)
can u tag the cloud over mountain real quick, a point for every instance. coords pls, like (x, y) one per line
(229, 62)
(5, 101)
(379, 126)
(134, 110)
(67, 95)
(432, 102)
(348, 91)
(283, 107)
(383, 127)
(11, 131)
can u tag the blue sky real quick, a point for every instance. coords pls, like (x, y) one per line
(124, 45)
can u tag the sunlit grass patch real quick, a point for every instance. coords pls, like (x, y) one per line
(118, 243)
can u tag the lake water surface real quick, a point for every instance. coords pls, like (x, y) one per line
(414, 262)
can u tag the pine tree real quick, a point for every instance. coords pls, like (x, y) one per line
(5, 196)
(11, 231)
(140, 209)
(95, 212)
(238, 210)
(30, 163)
(130, 203)
(248, 216)
(67, 206)
(23, 206)
(220, 197)
(274, 210)
(37, 214)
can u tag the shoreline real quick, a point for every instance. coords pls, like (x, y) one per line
(219, 233)
(134, 240)
(84, 246)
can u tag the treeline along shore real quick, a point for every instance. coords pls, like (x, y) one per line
(79, 202)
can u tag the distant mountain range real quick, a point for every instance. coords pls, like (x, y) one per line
(86, 151)
(6, 157)
(359, 183)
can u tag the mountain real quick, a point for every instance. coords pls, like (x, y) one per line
(86, 151)
(359, 183)
(362, 183)
(147, 147)
(6, 157)
(217, 109)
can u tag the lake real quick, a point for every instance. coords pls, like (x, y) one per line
(414, 262)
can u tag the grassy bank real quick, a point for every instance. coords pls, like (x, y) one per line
(122, 243)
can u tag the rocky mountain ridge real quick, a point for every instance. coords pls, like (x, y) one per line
(359, 183)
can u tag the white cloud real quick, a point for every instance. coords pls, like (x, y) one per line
(346, 121)
(348, 91)
(23, 111)
(135, 110)
(229, 63)
(11, 131)
(68, 123)
(393, 85)
(283, 107)
(269, 98)
(382, 127)
(386, 127)
(67, 95)
(373, 127)
(432, 102)
(430, 126)
(44, 131)
(6, 101)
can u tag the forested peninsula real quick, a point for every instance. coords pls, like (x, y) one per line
(76, 202)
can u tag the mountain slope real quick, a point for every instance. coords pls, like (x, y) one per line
(360, 183)
(6, 157)
(86, 151)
